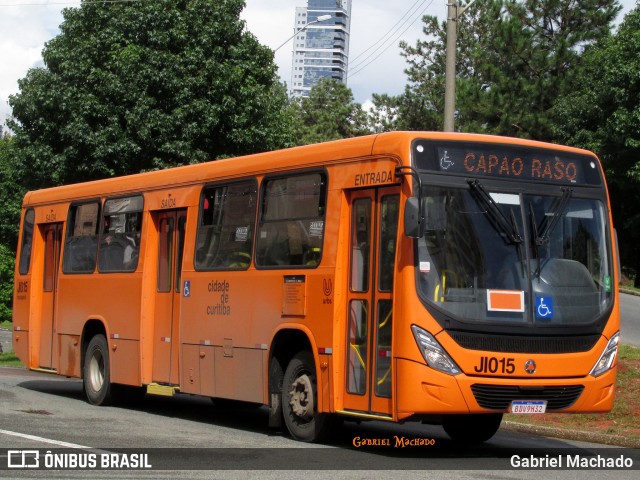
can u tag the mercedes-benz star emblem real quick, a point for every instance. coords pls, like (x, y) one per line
(530, 367)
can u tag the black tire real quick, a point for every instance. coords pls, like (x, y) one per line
(300, 400)
(96, 372)
(473, 428)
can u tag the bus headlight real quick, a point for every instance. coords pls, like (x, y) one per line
(608, 357)
(433, 353)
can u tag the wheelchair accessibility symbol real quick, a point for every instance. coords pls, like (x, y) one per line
(544, 307)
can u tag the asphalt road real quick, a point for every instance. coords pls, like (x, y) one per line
(5, 340)
(630, 319)
(39, 411)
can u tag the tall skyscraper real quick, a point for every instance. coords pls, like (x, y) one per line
(321, 50)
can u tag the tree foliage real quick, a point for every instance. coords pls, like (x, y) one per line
(514, 59)
(603, 115)
(328, 113)
(7, 262)
(136, 86)
(384, 114)
(11, 192)
(9, 220)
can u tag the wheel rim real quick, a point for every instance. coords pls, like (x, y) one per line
(96, 371)
(301, 398)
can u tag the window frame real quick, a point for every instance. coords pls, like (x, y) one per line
(102, 233)
(26, 238)
(196, 264)
(324, 196)
(68, 235)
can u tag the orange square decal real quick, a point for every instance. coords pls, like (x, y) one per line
(505, 300)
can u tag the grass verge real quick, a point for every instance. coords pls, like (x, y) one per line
(9, 359)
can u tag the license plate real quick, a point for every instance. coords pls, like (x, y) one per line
(528, 406)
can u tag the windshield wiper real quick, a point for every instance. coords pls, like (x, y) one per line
(514, 225)
(508, 230)
(556, 212)
(536, 239)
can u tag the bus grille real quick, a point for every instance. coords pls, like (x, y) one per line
(498, 397)
(515, 344)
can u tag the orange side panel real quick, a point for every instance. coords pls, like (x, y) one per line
(238, 374)
(69, 360)
(324, 384)
(21, 346)
(207, 370)
(190, 364)
(197, 370)
(125, 361)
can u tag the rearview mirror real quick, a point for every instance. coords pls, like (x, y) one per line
(413, 221)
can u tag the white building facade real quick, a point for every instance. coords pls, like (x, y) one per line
(322, 49)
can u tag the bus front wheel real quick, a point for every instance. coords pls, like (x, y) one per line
(96, 374)
(300, 401)
(472, 428)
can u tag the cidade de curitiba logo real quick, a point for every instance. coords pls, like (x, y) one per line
(75, 460)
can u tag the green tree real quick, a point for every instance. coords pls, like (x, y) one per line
(514, 59)
(602, 114)
(328, 113)
(7, 263)
(12, 193)
(136, 86)
(9, 221)
(384, 114)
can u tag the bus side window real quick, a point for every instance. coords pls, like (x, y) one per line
(81, 244)
(388, 233)
(291, 228)
(120, 237)
(225, 230)
(27, 240)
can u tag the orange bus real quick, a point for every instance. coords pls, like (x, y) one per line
(442, 278)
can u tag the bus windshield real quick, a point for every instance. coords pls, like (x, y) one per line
(494, 257)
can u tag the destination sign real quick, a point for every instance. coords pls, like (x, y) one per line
(508, 162)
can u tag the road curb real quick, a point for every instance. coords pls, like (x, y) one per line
(577, 435)
(629, 292)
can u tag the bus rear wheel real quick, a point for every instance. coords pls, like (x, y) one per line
(96, 372)
(300, 401)
(473, 428)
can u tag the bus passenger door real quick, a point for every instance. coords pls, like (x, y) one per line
(374, 226)
(171, 231)
(52, 234)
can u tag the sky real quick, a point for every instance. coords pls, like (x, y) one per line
(377, 26)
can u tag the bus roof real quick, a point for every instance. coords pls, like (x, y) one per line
(390, 143)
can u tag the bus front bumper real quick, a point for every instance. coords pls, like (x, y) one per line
(425, 391)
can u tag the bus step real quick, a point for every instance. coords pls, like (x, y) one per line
(364, 415)
(44, 370)
(165, 390)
